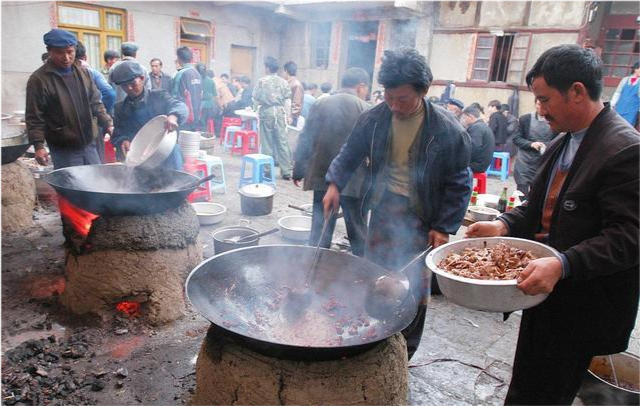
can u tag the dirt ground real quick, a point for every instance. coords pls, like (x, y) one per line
(52, 357)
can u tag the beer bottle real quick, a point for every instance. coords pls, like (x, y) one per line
(502, 202)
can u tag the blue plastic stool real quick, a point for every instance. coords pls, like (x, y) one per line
(260, 163)
(228, 137)
(503, 172)
(212, 163)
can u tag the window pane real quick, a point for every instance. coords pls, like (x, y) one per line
(197, 28)
(516, 65)
(481, 74)
(514, 77)
(92, 44)
(620, 72)
(627, 34)
(483, 53)
(79, 16)
(613, 34)
(485, 42)
(114, 22)
(607, 59)
(610, 45)
(518, 53)
(114, 43)
(623, 60)
(626, 46)
(481, 64)
(522, 41)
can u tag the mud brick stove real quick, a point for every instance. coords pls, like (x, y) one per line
(136, 264)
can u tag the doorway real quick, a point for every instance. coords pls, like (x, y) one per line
(242, 61)
(361, 51)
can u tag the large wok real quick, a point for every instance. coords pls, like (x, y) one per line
(118, 190)
(244, 293)
(13, 147)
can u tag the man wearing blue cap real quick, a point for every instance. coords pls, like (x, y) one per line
(63, 105)
(140, 106)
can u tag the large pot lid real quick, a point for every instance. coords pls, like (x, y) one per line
(257, 190)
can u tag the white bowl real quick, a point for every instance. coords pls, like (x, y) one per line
(297, 228)
(480, 294)
(152, 145)
(481, 213)
(488, 200)
(209, 213)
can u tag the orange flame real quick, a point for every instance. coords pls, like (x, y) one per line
(80, 219)
(129, 308)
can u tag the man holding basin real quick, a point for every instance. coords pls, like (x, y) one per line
(584, 203)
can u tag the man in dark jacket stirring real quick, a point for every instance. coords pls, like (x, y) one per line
(418, 181)
(328, 125)
(140, 106)
(62, 105)
(584, 203)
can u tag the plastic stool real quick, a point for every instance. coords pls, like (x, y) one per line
(211, 127)
(226, 122)
(212, 163)
(228, 137)
(503, 169)
(202, 192)
(249, 143)
(260, 163)
(109, 153)
(481, 177)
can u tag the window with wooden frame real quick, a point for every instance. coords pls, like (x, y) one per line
(99, 28)
(500, 58)
(320, 45)
(196, 34)
(620, 47)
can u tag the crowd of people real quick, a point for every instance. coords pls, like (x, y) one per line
(401, 165)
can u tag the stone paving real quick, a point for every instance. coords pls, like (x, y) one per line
(465, 357)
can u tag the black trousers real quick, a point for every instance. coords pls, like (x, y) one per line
(355, 222)
(545, 374)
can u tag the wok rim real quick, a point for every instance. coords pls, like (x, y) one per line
(66, 188)
(481, 282)
(278, 343)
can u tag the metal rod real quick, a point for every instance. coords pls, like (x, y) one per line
(613, 370)
(311, 271)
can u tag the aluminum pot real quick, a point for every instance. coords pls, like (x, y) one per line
(599, 384)
(256, 199)
(209, 213)
(297, 228)
(152, 145)
(486, 295)
(219, 236)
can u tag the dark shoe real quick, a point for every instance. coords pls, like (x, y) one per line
(286, 177)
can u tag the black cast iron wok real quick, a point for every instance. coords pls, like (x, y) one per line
(13, 147)
(244, 293)
(118, 190)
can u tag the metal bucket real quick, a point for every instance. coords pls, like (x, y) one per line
(599, 386)
(219, 237)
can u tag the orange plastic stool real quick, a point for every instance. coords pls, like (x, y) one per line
(226, 122)
(202, 192)
(249, 142)
(481, 177)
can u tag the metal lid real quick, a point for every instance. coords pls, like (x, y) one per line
(257, 190)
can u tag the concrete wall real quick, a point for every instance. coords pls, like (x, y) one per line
(21, 48)
(502, 14)
(453, 14)
(448, 65)
(557, 14)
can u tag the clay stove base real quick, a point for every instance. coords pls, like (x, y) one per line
(18, 197)
(227, 373)
(143, 259)
(116, 275)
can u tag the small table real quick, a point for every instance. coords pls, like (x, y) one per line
(247, 117)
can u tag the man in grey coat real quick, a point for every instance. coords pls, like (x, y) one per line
(328, 125)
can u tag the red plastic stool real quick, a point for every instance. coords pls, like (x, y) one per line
(249, 142)
(226, 122)
(202, 192)
(109, 152)
(481, 177)
(211, 127)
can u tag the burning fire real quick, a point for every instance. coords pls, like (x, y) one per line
(80, 219)
(131, 309)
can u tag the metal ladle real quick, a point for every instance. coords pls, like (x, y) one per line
(238, 239)
(390, 291)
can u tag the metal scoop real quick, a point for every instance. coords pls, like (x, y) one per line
(298, 300)
(237, 238)
(390, 291)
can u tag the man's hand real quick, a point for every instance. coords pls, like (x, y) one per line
(436, 238)
(331, 200)
(42, 157)
(537, 145)
(487, 229)
(125, 147)
(172, 122)
(540, 276)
